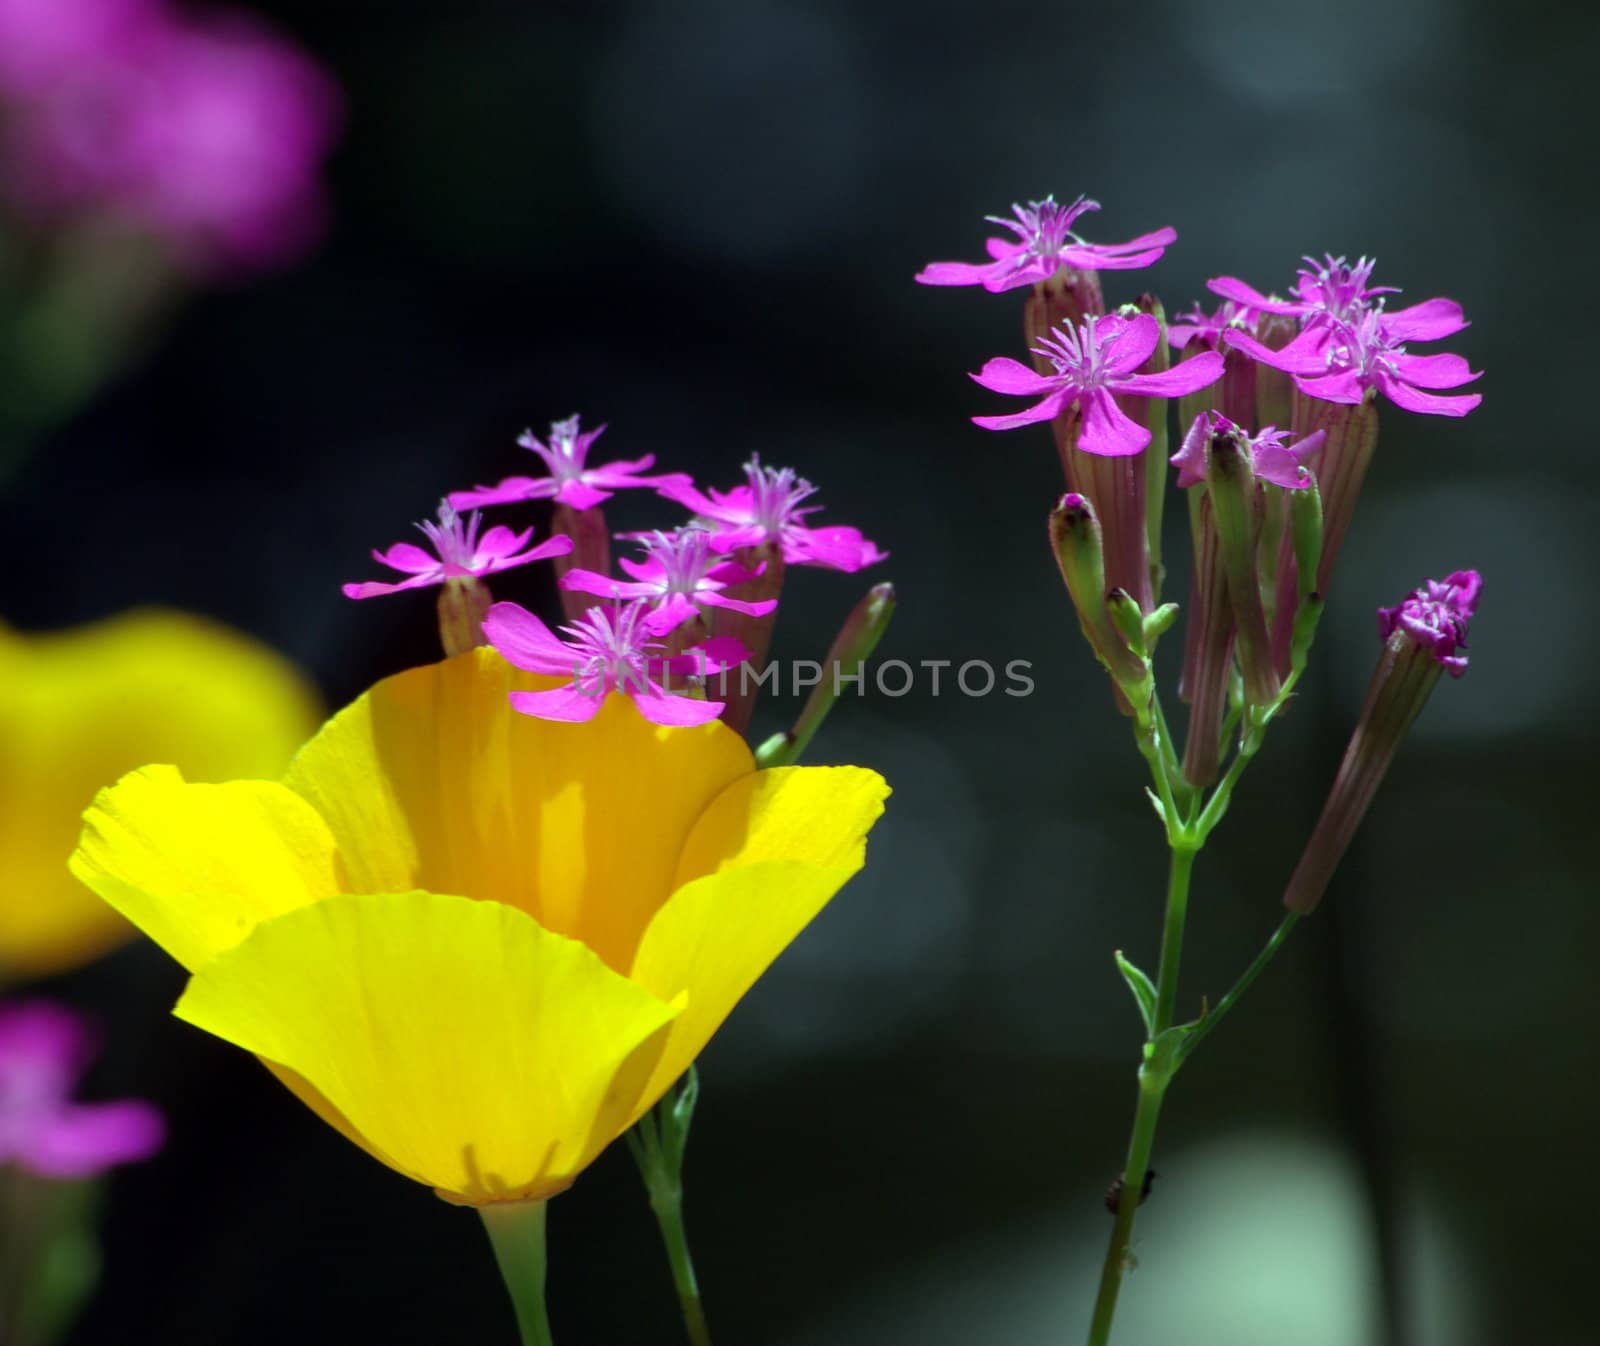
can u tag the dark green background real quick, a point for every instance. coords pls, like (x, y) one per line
(699, 222)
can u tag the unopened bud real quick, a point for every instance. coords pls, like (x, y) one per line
(1075, 539)
(1231, 485)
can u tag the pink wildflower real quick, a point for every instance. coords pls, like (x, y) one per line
(1044, 244)
(44, 1049)
(460, 554)
(1207, 328)
(1272, 459)
(1436, 617)
(607, 650)
(1092, 361)
(767, 508)
(571, 481)
(1341, 361)
(679, 574)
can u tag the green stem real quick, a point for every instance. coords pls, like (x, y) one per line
(516, 1229)
(1204, 1027)
(669, 1216)
(1154, 1076)
(1151, 1092)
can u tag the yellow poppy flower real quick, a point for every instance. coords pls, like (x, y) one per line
(480, 944)
(78, 708)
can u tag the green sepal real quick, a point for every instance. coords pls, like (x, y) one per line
(1144, 990)
(1158, 623)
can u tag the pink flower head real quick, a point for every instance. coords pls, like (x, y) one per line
(1436, 617)
(767, 508)
(571, 481)
(1045, 243)
(459, 553)
(606, 650)
(1207, 328)
(44, 1049)
(1092, 361)
(208, 133)
(1339, 362)
(680, 573)
(1271, 458)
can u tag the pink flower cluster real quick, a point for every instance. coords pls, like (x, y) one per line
(44, 1049)
(1436, 616)
(659, 622)
(202, 128)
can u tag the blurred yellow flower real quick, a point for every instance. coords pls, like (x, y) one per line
(80, 707)
(479, 944)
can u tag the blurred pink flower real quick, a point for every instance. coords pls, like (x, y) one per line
(44, 1048)
(208, 132)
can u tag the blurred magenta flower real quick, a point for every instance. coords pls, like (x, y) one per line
(207, 131)
(458, 553)
(1044, 243)
(44, 1049)
(767, 508)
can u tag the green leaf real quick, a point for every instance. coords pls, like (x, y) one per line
(1144, 990)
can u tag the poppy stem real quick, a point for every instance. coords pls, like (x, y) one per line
(516, 1229)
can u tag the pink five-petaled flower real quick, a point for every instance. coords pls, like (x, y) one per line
(679, 573)
(1044, 244)
(607, 650)
(571, 481)
(1207, 328)
(44, 1048)
(462, 554)
(1271, 458)
(767, 508)
(1436, 616)
(1340, 362)
(1092, 361)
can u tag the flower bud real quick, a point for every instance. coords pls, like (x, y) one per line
(1422, 637)
(1235, 503)
(1075, 538)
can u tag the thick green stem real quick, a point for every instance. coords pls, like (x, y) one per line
(1172, 938)
(516, 1229)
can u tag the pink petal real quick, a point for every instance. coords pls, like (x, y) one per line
(1001, 249)
(953, 273)
(836, 548)
(527, 642)
(1435, 371)
(1132, 345)
(673, 612)
(1427, 321)
(648, 571)
(407, 557)
(664, 708)
(750, 607)
(567, 704)
(623, 472)
(1005, 375)
(376, 589)
(500, 541)
(1106, 429)
(79, 1141)
(603, 586)
(508, 492)
(580, 495)
(1344, 387)
(1096, 257)
(1231, 287)
(1187, 376)
(684, 492)
(1009, 276)
(1043, 411)
(1303, 355)
(709, 656)
(1413, 400)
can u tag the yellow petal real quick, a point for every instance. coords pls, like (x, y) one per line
(197, 867)
(468, 1047)
(816, 814)
(79, 708)
(431, 781)
(714, 938)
